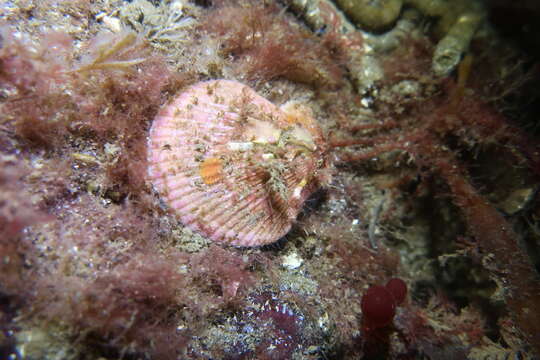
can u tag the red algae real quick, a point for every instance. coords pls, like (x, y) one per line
(55, 95)
(229, 271)
(16, 213)
(267, 45)
(496, 235)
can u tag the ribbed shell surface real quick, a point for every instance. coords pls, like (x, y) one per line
(233, 166)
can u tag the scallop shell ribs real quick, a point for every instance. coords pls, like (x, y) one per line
(232, 165)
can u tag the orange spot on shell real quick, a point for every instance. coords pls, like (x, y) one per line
(291, 118)
(211, 170)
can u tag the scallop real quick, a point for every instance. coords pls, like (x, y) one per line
(233, 166)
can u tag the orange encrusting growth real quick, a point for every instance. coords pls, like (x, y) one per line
(295, 114)
(211, 170)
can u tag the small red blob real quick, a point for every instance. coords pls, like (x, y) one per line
(398, 289)
(378, 306)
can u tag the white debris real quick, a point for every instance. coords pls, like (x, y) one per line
(240, 146)
(292, 261)
(113, 23)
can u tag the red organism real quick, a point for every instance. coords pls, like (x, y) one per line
(398, 289)
(378, 306)
(379, 303)
(280, 49)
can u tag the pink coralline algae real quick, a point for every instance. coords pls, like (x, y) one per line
(232, 165)
(269, 328)
(281, 324)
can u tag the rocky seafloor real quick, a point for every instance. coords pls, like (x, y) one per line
(428, 111)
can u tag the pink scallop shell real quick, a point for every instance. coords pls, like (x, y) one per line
(272, 161)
